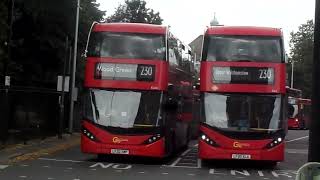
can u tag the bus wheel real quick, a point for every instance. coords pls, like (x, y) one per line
(173, 146)
(102, 157)
(272, 164)
(188, 137)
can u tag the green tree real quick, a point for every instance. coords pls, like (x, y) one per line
(40, 30)
(301, 53)
(3, 35)
(135, 11)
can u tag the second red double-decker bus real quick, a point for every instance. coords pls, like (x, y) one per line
(243, 101)
(299, 113)
(136, 81)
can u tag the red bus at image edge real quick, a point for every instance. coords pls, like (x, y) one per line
(242, 89)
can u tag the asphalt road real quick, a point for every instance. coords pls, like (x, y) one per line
(73, 165)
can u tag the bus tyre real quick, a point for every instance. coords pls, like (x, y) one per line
(272, 164)
(188, 137)
(173, 147)
(102, 157)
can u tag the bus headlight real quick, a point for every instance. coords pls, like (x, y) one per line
(89, 135)
(274, 143)
(207, 140)
(153, 139)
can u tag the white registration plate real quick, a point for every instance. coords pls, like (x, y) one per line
(241, 156)
(119, 151)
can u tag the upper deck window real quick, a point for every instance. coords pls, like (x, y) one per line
(127, 45)
(243, 48)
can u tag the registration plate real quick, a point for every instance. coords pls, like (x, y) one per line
(241, 156)
(119, 151)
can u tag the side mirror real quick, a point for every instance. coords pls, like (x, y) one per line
(308, 171)
(286, 58)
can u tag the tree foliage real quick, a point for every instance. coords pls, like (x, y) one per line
(301, 53)
(3, 34)
(39, 34)
(135, 11)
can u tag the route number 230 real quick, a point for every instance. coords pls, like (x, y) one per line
(265, 74)
(146, 71)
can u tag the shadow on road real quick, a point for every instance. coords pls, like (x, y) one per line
(239, 164)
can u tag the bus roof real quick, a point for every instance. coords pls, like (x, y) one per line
(244, 30)
(130, 27)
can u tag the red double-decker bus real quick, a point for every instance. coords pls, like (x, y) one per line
(136, 82)
(299, 113)
(243, 94)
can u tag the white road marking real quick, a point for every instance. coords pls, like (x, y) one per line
(141, 172)
(191, 167)
(187, 163)
(46, 166)
(122, 166)
(199, 163)
(191, 174)
(165, 173)
(260, 173)
(24, 165)
(50, 178)
(297, 139)
(297, 151)
(243, 172)
(23, 176)
(192, 159)
(60, 160)
(185, 152)
(175, 162)
(3, 166)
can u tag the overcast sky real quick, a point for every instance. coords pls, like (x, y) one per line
(189, 18)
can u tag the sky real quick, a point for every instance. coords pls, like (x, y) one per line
(189, 18)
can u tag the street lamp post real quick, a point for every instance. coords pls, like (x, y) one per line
(74, 65)
(314, 133)
(292, 65)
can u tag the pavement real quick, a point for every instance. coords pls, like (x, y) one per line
(36, 148)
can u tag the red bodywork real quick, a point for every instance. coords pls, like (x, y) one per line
(243, 30)
(302, 119)
(165, 74)
(130, 28)
(106, 142)
(293, 123)
(255, 148)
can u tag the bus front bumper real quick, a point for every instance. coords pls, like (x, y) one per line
(156, 149)
(209, 152)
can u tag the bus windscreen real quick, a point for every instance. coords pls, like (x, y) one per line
(124, 109)
(242, 49)
(236, 112)
(127, 46)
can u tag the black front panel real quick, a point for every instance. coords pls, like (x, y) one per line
(243, 75)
